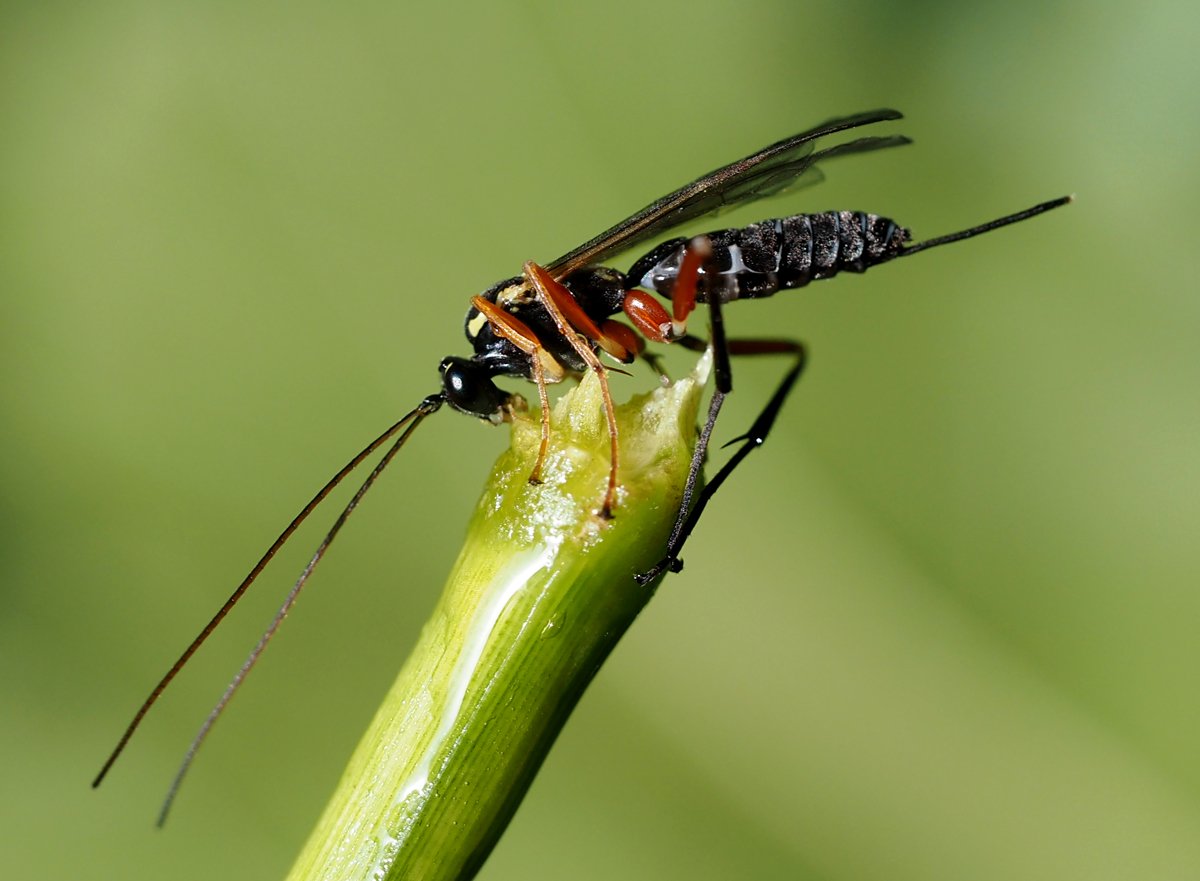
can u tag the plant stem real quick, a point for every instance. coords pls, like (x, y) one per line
(541, 592)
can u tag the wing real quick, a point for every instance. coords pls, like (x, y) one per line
(760, 175)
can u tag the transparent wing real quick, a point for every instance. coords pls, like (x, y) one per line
(770, 171)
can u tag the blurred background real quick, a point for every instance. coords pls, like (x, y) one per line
(943, 626)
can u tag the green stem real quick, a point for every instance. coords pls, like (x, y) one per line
(542, 591)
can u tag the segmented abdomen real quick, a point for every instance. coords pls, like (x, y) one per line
(762, 258)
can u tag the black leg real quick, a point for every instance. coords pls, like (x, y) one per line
(722, 371)
(689, 515)
(723, 376)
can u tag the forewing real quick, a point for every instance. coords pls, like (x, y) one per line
(766, 173)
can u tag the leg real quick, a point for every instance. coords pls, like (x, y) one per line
(689, 515)
(723, 376)
(519, 334)
(651, 318)
(683, 298)
(558, 300)
(656, 324)
(539, 377)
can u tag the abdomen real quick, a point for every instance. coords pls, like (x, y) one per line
(765, 257)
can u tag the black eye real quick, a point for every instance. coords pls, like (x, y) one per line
(468, 387)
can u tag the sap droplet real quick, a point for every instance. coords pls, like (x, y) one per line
(554, 626)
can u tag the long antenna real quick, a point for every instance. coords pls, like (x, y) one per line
(429, 405)
(987, 227)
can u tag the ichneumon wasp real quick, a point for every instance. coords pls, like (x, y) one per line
(552, 322)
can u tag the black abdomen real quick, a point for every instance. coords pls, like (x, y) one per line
(762, 258)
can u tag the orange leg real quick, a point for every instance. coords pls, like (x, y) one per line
(560, 304)
(650, 317)
(539, 377)
(683, 294)
(520, 335)
(613, 340)
(649, 322)
(625, 336)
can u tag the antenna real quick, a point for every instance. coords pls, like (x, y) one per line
(430, 405)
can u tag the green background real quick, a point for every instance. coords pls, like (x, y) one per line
(942, 627)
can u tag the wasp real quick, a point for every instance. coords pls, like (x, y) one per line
(554, 322)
